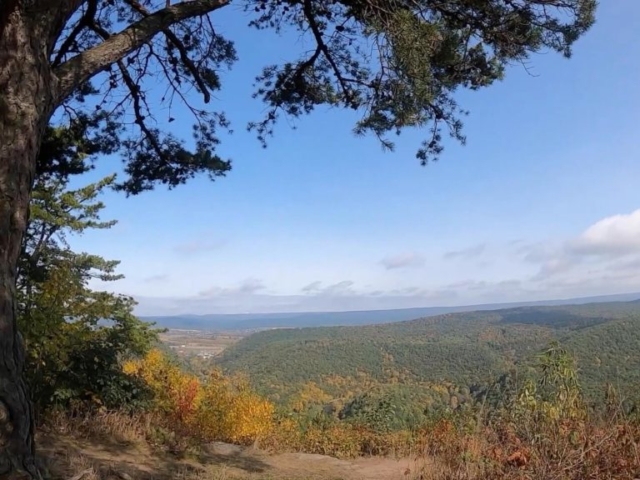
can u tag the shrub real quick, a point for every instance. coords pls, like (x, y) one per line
(214, 408)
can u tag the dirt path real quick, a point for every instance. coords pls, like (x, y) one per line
(112, 461)
(301, 465)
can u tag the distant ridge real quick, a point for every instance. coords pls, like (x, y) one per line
(262, 321)
(464, 348)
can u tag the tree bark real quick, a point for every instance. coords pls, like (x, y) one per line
(29, 92)
(26, 93)
(90, 62)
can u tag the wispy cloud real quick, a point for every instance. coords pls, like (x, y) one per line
(198, 246)
(342, 288)
(403, 260)
(156, 278)
(604, 247)
(340, 296)
(313, 287)
(250, 297)
(601, 259)
(249, 286)
(466, 253)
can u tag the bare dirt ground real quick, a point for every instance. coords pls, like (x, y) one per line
(67, 457)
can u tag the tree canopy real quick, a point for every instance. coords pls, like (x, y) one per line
(399, 63)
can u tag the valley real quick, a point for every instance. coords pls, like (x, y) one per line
(430, 361)
(202, 344)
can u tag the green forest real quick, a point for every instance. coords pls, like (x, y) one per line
(427, 362)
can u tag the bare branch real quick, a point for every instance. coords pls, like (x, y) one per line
(184, 56)
(59, 12)
(135, 93)
(85, 65)
(315, 29)
(137, 109)
(84, 22)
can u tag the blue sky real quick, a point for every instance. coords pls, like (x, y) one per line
(539, 204)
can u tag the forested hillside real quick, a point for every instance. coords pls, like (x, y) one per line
(438, 356)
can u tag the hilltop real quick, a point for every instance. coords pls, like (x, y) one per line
(417, 358)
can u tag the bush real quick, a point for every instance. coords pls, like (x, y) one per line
(213, 408)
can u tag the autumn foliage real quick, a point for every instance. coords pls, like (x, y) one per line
(546, 431)
(211, 408)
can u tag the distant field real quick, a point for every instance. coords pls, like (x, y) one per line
(197, 343)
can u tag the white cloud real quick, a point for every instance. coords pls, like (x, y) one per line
(337, 289)
(261, 303)
(248, 286)
(602, 259)
(403, 260)
(345, 296)
(596, 249)
(340, 296)
(617, 235)
(555, 266)
(466, 253)
(550, 258)
(313, 287)
(538, 252)
(341, 288)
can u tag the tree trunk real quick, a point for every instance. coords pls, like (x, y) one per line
(26, 93)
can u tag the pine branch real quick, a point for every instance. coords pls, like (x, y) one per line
(97, 59)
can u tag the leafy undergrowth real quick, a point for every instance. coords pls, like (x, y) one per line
(110, 444)
(543, 431)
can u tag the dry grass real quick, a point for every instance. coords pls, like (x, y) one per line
(116, 426)
(514, 447)
(562, 450)
(75, 466)
(78, 466)
(116, 447)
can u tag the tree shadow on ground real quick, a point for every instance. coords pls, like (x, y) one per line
(65, 457)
